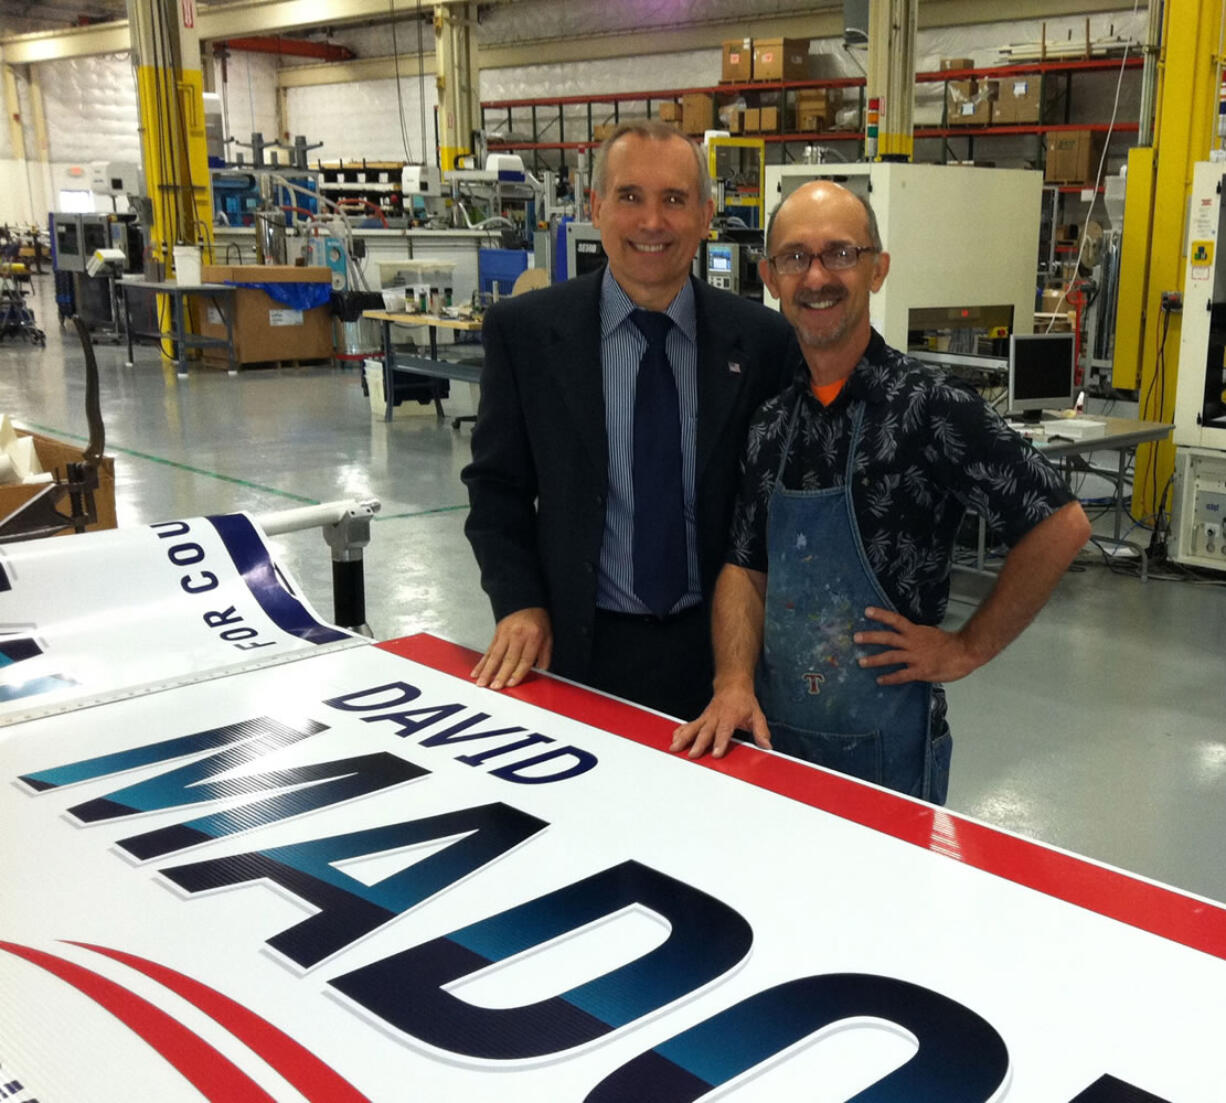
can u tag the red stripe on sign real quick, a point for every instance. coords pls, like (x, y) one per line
(211, 1073)
(1109, 892)
(311, 1076)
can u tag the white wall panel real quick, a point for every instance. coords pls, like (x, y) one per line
(91, 108)
(248, 97)
(6, 144)
(363, 119)
(14, 194)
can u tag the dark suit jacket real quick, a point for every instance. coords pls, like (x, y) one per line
(539, 474)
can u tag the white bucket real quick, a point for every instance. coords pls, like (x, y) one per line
(187, 265)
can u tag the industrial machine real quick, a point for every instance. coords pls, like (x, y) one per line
(239, 194)
(76, 241)
(1199, 499)
(584, 251)
(737, 166)
(723, 265)
(960, 271)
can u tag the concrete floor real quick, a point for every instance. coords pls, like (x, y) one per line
(1102, 730)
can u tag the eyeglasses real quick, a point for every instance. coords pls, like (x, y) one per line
(836, 258)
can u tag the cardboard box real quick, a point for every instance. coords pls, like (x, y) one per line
(969, 102)
(814, 109)
(1020, 100)
(1072, 156)
(734, 120)
(264, 329)
(768, 119)
(668, 112)
(751, 120)
(603, 130)
(948, 63)
(780, 59)
(738, 60)
(697, 112)
(55, 455)
(810, 120)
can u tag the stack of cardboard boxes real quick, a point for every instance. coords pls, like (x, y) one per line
(763, 59)
(967, 102)
(1019, 100)
(815, 109)
(1072, 156)
(747, 60)
(697, 112)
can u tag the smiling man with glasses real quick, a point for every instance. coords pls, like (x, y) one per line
(826, 615)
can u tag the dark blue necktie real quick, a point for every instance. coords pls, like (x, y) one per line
(661, 576)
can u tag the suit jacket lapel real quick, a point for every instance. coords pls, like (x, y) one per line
(721, 376)
(570, 352)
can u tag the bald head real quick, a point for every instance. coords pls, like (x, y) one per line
(823, 199)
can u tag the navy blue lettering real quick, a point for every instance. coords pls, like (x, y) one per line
(452, 734)
(377, 697)
(349, 908)
(184, 555)
(961, 1058)
(1107, 1089)
(407, 990)
(528, 741)
(208, 581)
(581, 762)
(302, 788)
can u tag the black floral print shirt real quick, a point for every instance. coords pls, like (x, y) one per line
(930, 449)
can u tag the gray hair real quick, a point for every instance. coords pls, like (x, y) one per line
(656, 131)
(874, 232)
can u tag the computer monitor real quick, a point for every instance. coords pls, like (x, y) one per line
(1041, 367)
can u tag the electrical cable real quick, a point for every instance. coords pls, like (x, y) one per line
(1098, 177)
(421, 85)
(404, 129)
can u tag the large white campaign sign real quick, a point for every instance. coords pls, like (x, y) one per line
(357, 876)
(129, 608)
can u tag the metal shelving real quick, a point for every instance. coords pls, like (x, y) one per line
(546, 120)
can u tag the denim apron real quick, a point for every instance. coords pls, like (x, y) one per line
(820, 704)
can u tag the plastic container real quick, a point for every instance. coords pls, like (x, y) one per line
(393, 300)
(187, 263)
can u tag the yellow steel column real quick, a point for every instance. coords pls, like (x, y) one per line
(1186, 112)
(169, 85)
(459, 103)
(890, 87)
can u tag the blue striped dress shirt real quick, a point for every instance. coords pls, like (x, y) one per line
(621, 348)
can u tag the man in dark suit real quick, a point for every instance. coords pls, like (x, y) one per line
(605, 454)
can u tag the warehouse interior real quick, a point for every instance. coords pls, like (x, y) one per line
(328, 146)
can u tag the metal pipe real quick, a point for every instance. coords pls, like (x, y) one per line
(308, 517)
(1149, 75)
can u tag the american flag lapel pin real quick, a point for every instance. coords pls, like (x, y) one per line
(734, 367)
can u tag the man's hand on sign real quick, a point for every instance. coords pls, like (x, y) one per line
(731, 709)
(522, 640)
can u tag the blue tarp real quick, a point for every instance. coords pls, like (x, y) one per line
(297, 296)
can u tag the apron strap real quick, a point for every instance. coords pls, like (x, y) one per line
(857, 419)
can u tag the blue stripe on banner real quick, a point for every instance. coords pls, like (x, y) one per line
(250, 556)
